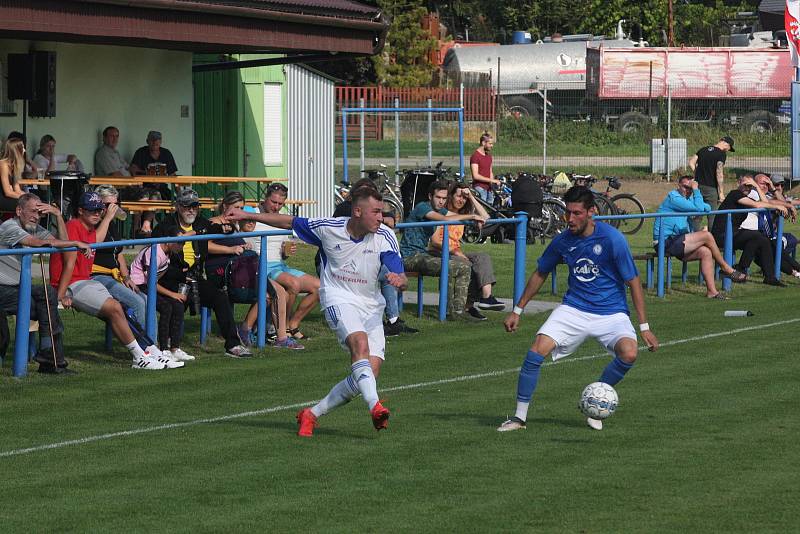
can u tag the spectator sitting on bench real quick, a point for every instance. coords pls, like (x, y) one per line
(70, 275)
(681, 243)
(236, 249)
(194, 253)
(279, 249)
(746, 237)
(170, 304)
(772, 187)
(24, 231)
(393, 325)
(460, 201)
(414, 246)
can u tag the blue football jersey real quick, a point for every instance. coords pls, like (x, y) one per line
(599, 265)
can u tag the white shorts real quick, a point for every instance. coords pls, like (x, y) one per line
(344, 319)
(569, 327)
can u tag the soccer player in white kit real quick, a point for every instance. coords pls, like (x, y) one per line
(353, 249)
(600, 266)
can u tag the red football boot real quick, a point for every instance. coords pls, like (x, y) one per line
(306, 421)
(380, 416)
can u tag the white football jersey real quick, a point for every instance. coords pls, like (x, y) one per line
(349, 272)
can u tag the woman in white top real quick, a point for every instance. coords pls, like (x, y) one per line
(48, 160)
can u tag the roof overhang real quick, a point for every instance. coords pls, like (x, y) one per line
(210, 26)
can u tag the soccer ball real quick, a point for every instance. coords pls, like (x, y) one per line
(598, 400)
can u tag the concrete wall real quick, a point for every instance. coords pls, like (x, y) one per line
(134, 89)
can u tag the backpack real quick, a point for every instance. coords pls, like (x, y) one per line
(241, 278)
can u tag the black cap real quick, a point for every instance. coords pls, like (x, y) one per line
(728, 139)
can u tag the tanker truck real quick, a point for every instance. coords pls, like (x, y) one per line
(621, 83)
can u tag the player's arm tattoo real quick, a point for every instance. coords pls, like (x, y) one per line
(720, 176)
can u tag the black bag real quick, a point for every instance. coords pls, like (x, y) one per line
(241, 278)
(527, 195)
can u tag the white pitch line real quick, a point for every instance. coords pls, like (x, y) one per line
(419, 385)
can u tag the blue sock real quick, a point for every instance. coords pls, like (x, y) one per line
(615, 371)
(528, 376)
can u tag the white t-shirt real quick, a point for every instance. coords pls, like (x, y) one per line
(350, 268)
(274, 242)
(751, 221)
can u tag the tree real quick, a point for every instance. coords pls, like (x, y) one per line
(405, 61)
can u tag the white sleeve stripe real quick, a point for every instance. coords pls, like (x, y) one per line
(390, 238)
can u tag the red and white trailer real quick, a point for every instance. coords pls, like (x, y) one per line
(746, 86)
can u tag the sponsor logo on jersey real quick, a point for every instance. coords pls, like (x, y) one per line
(570, 249)
(585, 270)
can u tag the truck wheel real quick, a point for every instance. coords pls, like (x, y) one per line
(633, 122)
(759, 122)
(521, 106)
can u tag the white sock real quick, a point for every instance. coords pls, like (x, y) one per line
(135, 350)
(393, 320)
(340, 394)
(522, 410)
(365, 381)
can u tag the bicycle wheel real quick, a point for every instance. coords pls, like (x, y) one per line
(473, 234)
(627, 204)
(390, 205)
(605, 207)
(556, 221)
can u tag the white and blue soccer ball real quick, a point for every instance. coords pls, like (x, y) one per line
(598, 400)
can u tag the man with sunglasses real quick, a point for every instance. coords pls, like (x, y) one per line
(681, 243)
(70, 274)
(188, 221)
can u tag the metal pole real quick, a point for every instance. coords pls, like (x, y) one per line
(150, 322)
(544, 132)
(779, 247)
(430, 134)
(261, 320)
(795, 131)
(667, 166)
(660, 258)
(520, 242)
(728, 252)
(461, 95)
(396, 142)
(361, 128)
(461, 142)
(23, 317)
(345, 175)
(444, 275)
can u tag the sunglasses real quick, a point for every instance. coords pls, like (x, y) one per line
(277, 187)
(191, 207)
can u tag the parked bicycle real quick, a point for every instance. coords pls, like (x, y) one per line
(619, 204)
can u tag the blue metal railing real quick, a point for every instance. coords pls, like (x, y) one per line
(460, 111)
(728, 245)
(25, 279)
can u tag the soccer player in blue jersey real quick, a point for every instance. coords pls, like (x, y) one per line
(600, 266)
(353, 250)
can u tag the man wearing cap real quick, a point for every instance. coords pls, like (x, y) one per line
(188, 221)
(708, 165)
(70, 274)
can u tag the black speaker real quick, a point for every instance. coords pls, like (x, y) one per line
(20, 77)
(43, 103)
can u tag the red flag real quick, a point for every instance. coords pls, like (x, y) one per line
(791, 20)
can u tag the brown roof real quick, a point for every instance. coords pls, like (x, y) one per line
(218, 26)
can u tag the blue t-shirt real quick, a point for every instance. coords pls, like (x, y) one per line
(599, 266)
(415, 240)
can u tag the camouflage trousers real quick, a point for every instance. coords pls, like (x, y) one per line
(459, 274)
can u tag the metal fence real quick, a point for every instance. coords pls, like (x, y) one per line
(631, 131)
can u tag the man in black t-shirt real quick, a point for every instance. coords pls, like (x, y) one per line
(708, 165)
(154, 153)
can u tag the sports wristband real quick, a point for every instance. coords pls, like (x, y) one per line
(518, 310)
(644, 326)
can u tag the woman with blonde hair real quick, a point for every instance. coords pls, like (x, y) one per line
(12, 165)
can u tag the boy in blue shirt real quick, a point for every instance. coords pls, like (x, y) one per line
(600, 266)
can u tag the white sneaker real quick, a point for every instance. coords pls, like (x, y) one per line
(153, 351)
(168, 362)
(596, 424)
(147, 363)
(239, 351)
(181, 356)
(515, 423)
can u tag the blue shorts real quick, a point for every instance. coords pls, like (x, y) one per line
(673, 246)
(276, 268)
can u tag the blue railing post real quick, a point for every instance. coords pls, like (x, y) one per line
(728, 252)
(23, 317)
(520, 243)
(152, 280)
(660, 258)
(444, 275)
(261, 321)
(779, 246)
(345, 178)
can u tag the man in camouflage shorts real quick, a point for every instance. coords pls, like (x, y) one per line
(414, 246)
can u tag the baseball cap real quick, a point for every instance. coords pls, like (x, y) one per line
(153, 135)
(777, 178)
(728, 139)
(187, 197)
(91, 201)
